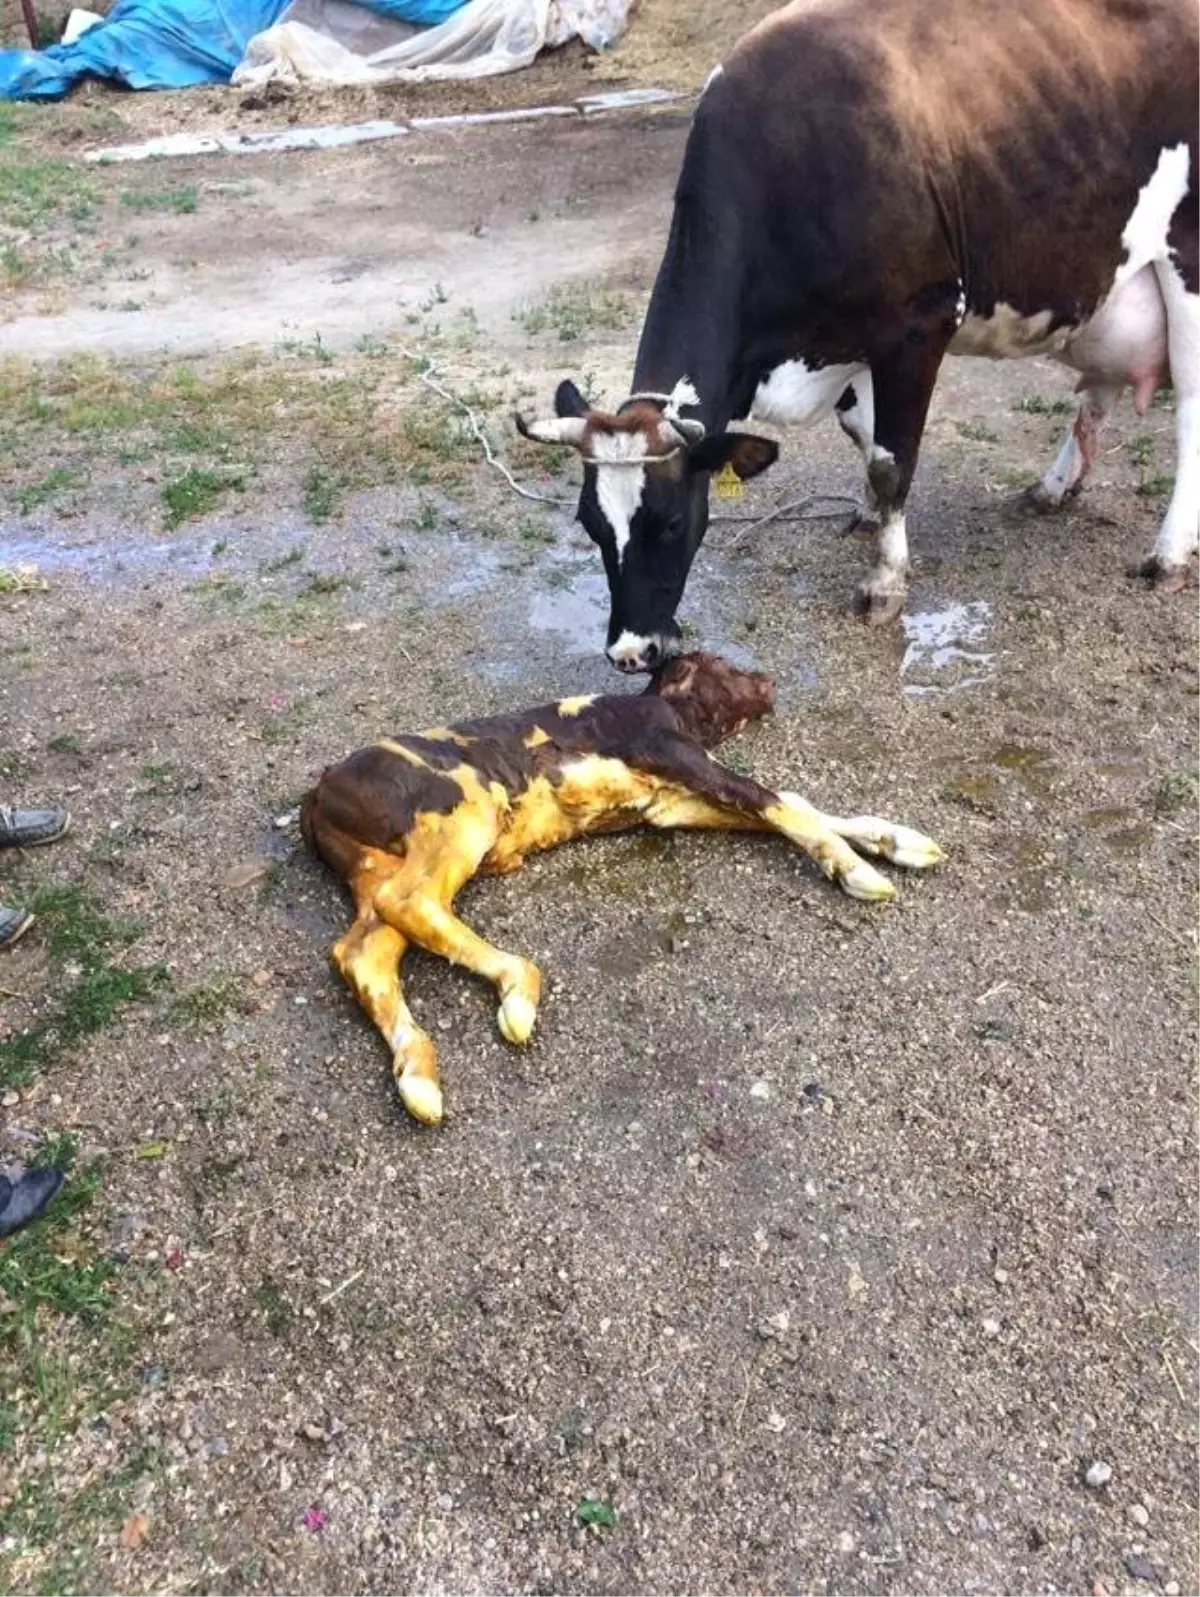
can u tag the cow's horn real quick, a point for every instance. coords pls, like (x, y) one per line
(552, 429)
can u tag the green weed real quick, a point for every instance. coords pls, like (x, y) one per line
(1037, 405)
(574, 309)
(976, 432)
(78, 934)
(182, 201)
(196, 492)
(322, 493)
(57, 482)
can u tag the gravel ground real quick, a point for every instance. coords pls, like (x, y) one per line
(810, 1247)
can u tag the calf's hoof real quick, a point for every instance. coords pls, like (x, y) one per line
(1161, 577)
(414, 1064)
(878, 605)
(422, 1098)
(516, 1017)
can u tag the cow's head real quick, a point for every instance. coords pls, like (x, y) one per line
(645, 503)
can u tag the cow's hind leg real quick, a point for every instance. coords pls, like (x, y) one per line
(1169, 562)
(903, 377)
(369, 957)
(1074, 461)
(424, 919)
(856, 417)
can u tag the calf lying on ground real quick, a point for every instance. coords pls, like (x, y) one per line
(408, 822)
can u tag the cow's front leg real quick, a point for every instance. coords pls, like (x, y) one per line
(1168, 564)
(1074, 461)
(902, 378)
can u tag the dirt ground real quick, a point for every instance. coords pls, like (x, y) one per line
(810, 1246)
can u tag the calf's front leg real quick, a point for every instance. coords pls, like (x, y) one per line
(699, 791)
(369, 958)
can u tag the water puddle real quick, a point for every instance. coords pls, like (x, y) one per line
(943, 653)
(108, 559)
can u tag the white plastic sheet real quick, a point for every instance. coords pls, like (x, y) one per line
(315, 42)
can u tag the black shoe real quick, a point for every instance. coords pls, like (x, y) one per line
(27, 1197)
(31, 828)
(14, 923)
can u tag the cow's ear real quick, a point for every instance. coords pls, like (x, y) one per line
(747, 453)
(568, 401)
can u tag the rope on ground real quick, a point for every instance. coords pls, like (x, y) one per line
(426, 370)
(797, 510)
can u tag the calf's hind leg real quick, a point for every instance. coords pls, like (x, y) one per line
(369, 957)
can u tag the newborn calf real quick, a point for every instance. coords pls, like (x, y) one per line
(407, 822)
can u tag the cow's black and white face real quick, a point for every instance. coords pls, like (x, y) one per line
(644, 503)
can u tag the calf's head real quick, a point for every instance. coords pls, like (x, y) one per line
(711, 696)
(644, 502)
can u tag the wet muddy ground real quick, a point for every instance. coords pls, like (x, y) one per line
(810, 1247)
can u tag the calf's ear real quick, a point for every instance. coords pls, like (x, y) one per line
(568, 401)
(747, 453)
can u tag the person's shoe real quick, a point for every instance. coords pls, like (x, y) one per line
(31, 828)
(14, 923)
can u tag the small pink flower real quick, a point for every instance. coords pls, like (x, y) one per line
(277, 701)
(315, 1520)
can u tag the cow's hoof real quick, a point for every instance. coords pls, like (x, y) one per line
(878, 606)
(1162, 578)
(516, 1017)
(1038, 498)
(861, 521)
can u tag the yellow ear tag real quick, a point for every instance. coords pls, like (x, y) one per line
(729, 484)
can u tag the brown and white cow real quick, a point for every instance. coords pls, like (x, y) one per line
(869, 185)
(409, 821)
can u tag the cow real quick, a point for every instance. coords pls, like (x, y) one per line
(867, 186)
(408, 821)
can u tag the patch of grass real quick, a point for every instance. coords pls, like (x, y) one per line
(1177, 790)
(1141, 450)
(182, 201)
(1160, 486)
(293, 557)
(277, 1312)
(1038, 405)
(78, 934)
(196, 492)
(159, 773)
(574, 309)
(35, 191)
(48, 490)
(326, 582)
(205, 1005)
(323, 491)
(976, 432)
(64, 1355)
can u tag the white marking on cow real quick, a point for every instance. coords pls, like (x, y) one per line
(858, 423)
(1145, 235)
(798, 395)
(620, 478)
(893, 547)
(629, 649)
(712, 77)
(1007, 335)
(960, 306)
(1177, 539)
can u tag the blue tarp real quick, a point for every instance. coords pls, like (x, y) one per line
(168, 44)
